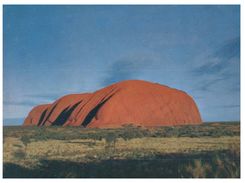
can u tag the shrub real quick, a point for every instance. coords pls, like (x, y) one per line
(110, 139)
(19, 154)
(25, 140)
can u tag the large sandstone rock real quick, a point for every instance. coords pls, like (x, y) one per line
(36, 115)
(127, 102)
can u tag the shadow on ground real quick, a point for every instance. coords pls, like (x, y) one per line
(210, 164)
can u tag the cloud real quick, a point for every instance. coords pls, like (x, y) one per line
(51, 96)
(13, 121)
(226, 106)
(231, 106)
(20, 103)
(31, 100)
(220, 66)
(206, 85)
(230, 49)
(20, 107)
(128, 68)
(220, 59)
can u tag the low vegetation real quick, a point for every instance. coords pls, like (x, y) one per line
(208, 150)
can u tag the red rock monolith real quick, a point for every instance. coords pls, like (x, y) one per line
(136, 102)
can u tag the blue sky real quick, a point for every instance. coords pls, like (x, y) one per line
(50, 51)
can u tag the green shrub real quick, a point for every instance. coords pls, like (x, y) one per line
(25, 140)
(19, 155)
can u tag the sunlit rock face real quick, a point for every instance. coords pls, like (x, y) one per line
(136, 102)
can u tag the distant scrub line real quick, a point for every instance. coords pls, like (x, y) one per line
(127, 132)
